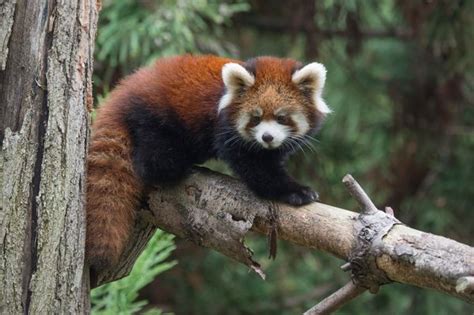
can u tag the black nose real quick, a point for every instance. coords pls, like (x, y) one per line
(267, 137)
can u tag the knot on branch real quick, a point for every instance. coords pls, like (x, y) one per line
(372, 225)
(370, 229)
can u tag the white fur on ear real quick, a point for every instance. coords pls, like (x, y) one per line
(235, 77)
(313, 76)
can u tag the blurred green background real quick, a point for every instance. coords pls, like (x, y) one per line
(401, 84)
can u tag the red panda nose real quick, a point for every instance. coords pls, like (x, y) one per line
(267, 137)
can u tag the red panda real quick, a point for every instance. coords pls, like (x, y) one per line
(184, 110)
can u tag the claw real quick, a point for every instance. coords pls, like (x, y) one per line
(303, 196)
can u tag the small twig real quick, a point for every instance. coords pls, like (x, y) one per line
(465, 285)
(389, 211)
(359, 194)
(273, 231)
(336, 300)
(346, 267)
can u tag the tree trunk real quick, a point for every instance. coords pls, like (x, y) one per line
(45, 91)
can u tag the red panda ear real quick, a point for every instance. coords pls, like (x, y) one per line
(312, 77)
(235, 79)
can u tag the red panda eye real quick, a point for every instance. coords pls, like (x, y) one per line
(255, 120)
(282, 119)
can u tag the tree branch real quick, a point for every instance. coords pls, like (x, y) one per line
(217, 211)
(333, 302)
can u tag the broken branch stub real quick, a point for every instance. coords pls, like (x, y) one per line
(211, 214)
(359, 194)
(370, 227)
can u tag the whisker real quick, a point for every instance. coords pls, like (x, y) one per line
(305, 141)
(301, 147)
(225, 131)
(291, 143)
(230, 139)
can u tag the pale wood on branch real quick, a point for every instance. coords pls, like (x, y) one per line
(217, 211)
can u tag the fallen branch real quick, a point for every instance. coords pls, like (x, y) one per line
(217, 211)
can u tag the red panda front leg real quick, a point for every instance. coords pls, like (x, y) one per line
(265, 175)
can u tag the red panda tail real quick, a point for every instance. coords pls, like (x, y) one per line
(113, 196)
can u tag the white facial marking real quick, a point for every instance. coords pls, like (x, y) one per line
(258, 111)
(225, 101)
(280, 111)
(302, 125)
(322, 106)
(241, 124)
(275, 130)
(314, 75)
(234, 77)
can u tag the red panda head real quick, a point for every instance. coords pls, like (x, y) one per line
(273, 101)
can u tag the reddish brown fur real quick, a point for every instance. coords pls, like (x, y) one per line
(169, 82)
(113, 189)
(192, 85)
(274, 89)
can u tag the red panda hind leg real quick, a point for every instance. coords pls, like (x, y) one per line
(113, 196)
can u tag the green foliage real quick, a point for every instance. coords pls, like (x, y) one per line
(367, 87)
(133, 33)
(120, 297)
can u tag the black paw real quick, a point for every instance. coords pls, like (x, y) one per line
(300, 197)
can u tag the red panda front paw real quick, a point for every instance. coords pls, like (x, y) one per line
(300, 197)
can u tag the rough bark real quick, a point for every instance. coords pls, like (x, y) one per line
(217, 211)
(45, 88)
